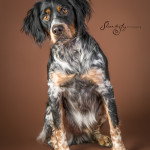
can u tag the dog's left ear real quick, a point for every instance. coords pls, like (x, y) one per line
(32, 24)
(82, 10)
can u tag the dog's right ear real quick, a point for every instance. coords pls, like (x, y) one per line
(32, 24)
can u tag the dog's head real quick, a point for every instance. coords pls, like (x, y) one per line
(61, 20)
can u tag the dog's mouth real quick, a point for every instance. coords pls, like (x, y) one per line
(62, 38)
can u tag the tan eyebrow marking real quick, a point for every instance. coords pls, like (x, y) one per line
(72, 29)
(59, 8)
(48, 11)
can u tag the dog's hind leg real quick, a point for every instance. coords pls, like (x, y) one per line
(103, 140)
(92, 136)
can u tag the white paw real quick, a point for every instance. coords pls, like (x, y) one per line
(42, 136)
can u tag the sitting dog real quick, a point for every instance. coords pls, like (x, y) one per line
(80, 96)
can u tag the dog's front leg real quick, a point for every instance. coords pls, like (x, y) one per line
(58, 138)
(106, 91)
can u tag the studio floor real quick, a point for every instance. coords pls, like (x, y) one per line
(135, 134)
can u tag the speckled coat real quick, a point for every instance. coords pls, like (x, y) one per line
(80, 95)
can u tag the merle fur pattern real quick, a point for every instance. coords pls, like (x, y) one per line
(82, 99)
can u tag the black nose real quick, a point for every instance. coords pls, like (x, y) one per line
(57, 29)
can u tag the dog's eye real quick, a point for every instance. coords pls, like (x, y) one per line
(46, 18)
(65, 10)
(62, 10)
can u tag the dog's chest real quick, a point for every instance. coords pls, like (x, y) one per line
(72, 59)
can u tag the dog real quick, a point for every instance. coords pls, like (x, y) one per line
(80, 95)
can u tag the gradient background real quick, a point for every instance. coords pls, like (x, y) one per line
(23, 79)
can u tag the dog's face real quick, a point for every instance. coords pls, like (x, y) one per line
(61, 20)
(58, 19)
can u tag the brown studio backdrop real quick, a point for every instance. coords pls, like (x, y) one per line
(23, 90)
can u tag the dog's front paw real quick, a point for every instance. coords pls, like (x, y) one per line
(118, 146)
(104, 141)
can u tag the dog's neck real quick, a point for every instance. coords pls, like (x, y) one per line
(74, 55)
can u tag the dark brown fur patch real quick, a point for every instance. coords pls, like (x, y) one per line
(93, 75)
(72, 29)
(60, 78)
